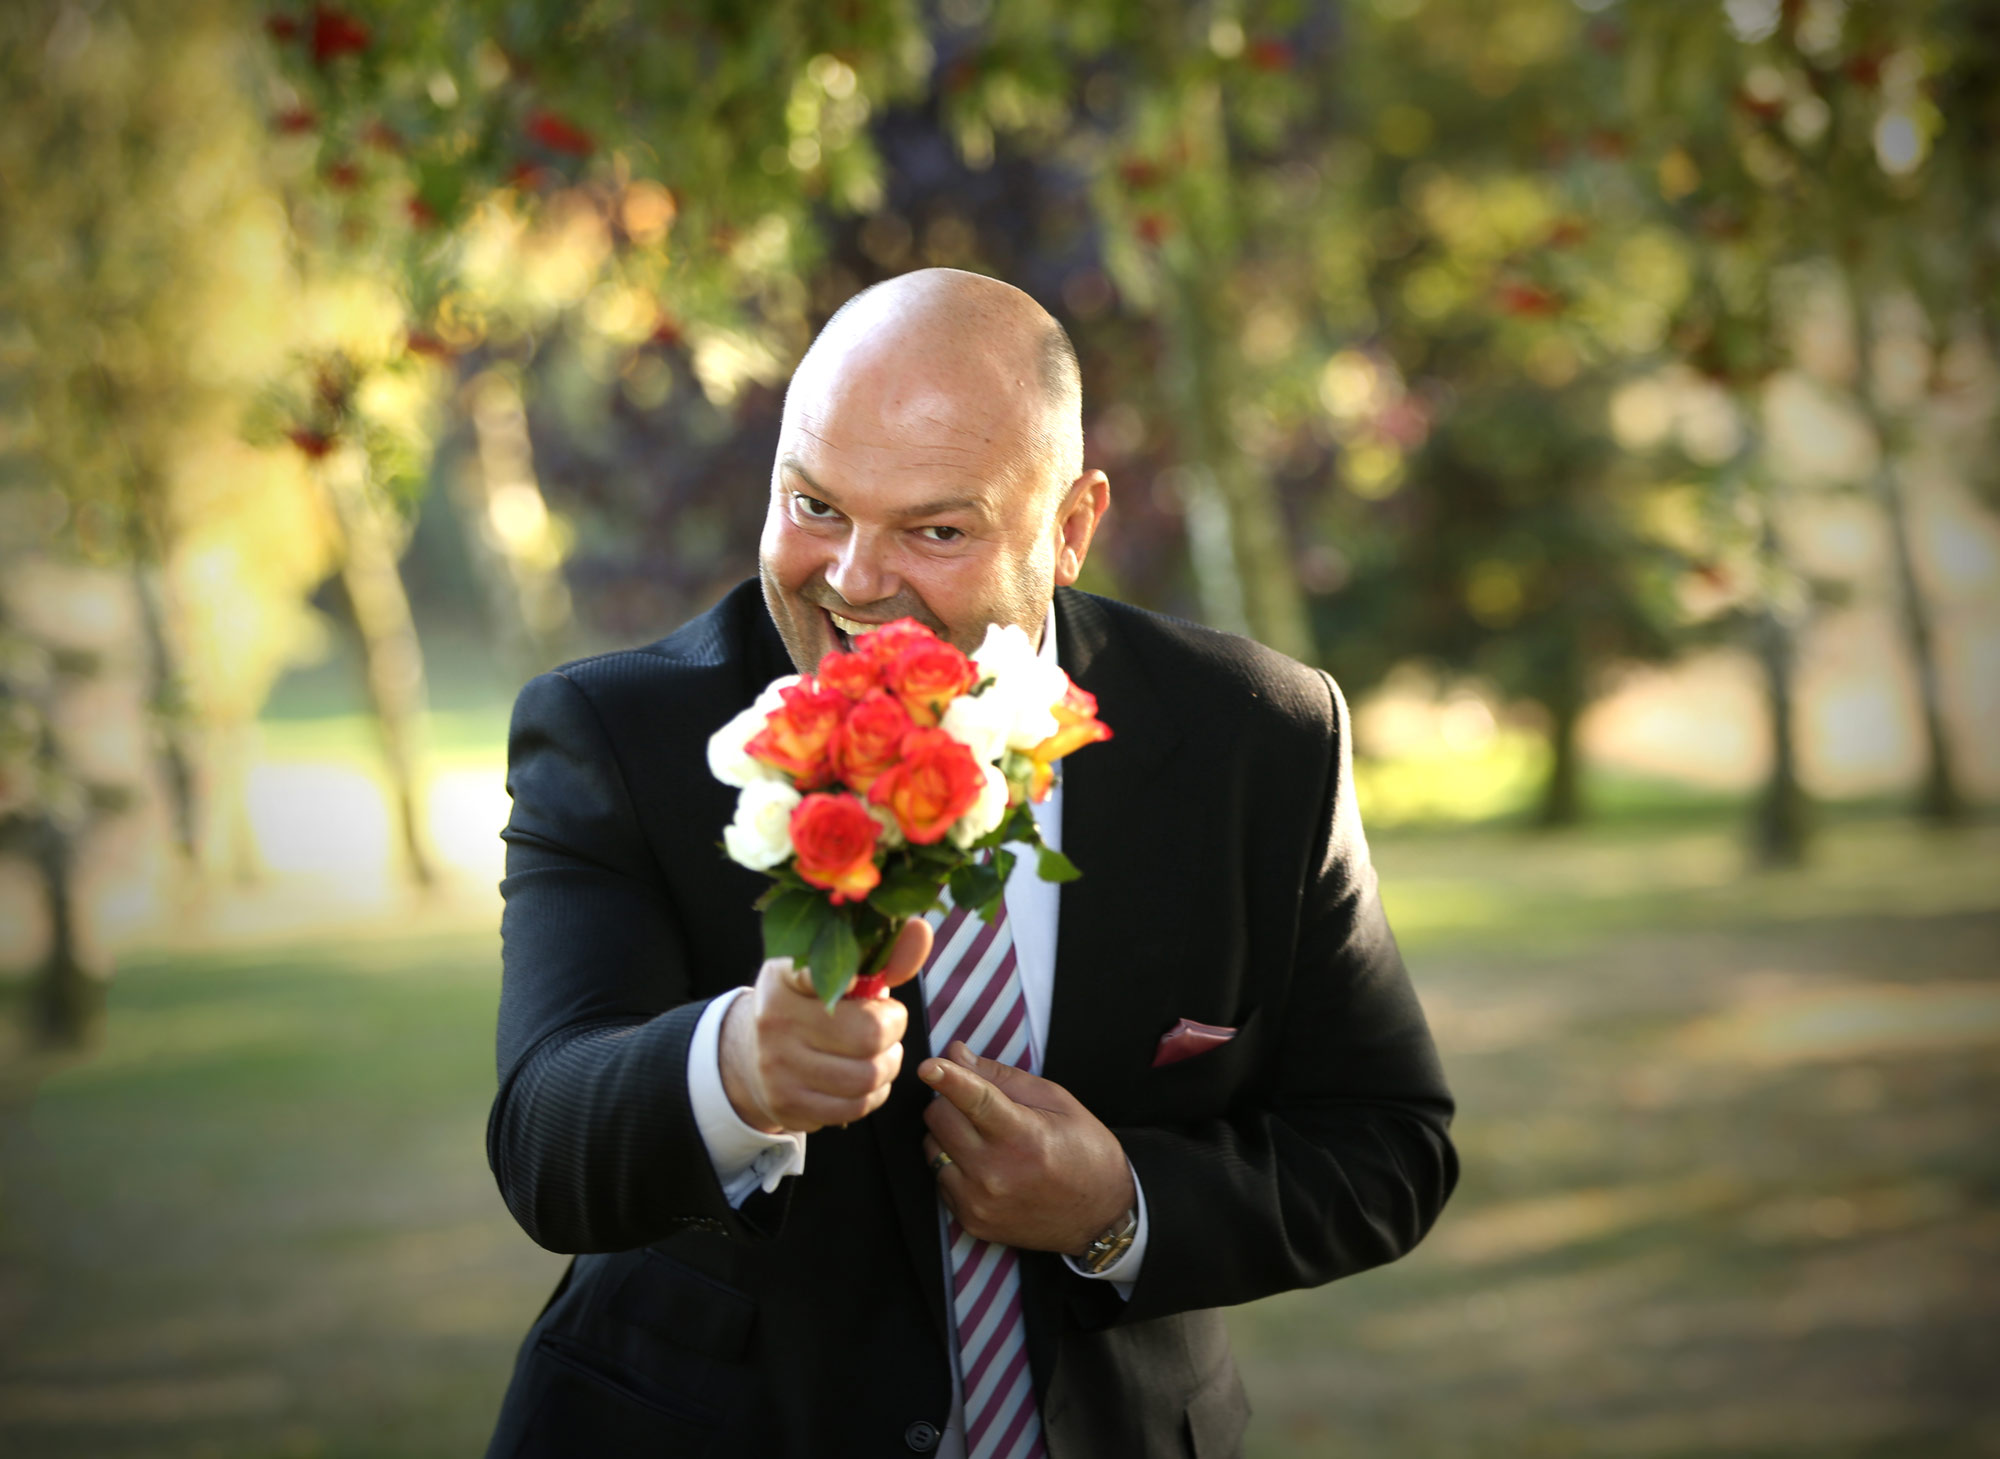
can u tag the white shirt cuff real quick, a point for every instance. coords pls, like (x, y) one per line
(744, 1159)
(1123, 1272)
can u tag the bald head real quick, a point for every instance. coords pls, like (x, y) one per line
(962, 350)
(929, 466)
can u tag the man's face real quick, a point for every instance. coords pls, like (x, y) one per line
(895, 497)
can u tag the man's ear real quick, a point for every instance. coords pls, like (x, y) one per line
(1083, 507)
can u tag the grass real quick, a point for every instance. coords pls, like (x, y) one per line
(259, 1221)
(1729, 1184)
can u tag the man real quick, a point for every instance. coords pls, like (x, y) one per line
(769, 1202)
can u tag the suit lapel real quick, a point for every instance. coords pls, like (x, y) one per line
(1113, 810)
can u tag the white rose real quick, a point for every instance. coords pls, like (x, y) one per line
(980, 722)
(1025, 688)
(986, 813)
(730, 760)
(761, 835)
(772, 698)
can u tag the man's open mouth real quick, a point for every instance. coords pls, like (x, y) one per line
(846, 630)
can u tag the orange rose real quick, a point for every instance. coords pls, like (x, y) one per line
(934, 783)
(852, 674)
(881, 645)
(1077, 725)
(927, 674)
(798, 735)
(869, 740)
(833, 839)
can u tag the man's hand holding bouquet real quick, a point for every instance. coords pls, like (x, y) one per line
(888, 774)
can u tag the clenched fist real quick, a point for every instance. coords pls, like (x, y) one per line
(788, 1064)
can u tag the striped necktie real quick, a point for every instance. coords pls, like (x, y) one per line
(972, 992)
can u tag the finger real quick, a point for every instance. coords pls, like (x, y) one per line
(793, 977)
(810, 1070)
(859, 1029)
(951, 1129)
(1020, 1086)
(808, 1111)
(990, 1111)
(908, 956)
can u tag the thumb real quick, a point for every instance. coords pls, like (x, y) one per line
(908, 956)
(1016, 1083)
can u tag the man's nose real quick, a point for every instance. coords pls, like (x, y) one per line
(859, 574)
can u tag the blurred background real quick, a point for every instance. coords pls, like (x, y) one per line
(1603, 390)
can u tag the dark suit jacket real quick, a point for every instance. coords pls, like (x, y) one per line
(1225, 879)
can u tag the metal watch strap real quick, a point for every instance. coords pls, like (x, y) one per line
(1111, 1245)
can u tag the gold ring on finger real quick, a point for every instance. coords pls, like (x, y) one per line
(939, 1161)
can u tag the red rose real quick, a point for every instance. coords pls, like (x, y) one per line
(934, 783)
(927, 674)
(798, 735)
(852, 674)
(833, 840)
(869, 741)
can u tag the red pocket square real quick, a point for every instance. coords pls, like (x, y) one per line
(1188, 1038)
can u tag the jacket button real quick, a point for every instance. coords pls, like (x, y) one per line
(921, 1437)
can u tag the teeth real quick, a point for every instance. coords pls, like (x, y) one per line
(849, 627)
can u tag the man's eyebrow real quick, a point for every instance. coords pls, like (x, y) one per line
(937, 507)
(791, 464)
(944, 505)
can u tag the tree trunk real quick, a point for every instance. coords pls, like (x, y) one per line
(391, 656)
(1779, 828)
(1940, 799)
(68, 1001)
(1237, 540)
(1780, 823)
(1562, 793)
(508, 531)
(166, 701)
(146, 537)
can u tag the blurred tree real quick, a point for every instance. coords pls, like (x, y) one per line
(48, 806)
(139, 275)
(1496, 281)
(520, 171)
(1198, 145)
(1786, 133)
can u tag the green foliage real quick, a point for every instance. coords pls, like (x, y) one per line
(835, 956)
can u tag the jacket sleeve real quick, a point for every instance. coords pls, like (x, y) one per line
(591, 1136)
(1339, 1159)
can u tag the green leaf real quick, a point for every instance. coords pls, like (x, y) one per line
(791, 922)
(1054, 866)
(900, 897)
(835, 957)
(976, 886)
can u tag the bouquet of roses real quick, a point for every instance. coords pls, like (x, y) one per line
(889, 773)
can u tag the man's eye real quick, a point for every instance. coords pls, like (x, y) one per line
(942, 534)
(813, 507)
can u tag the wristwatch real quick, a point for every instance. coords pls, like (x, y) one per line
(1113, 1243)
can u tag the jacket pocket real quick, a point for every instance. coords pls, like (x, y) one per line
(689, 1309)
(1209, 1082)
(578, 1402)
